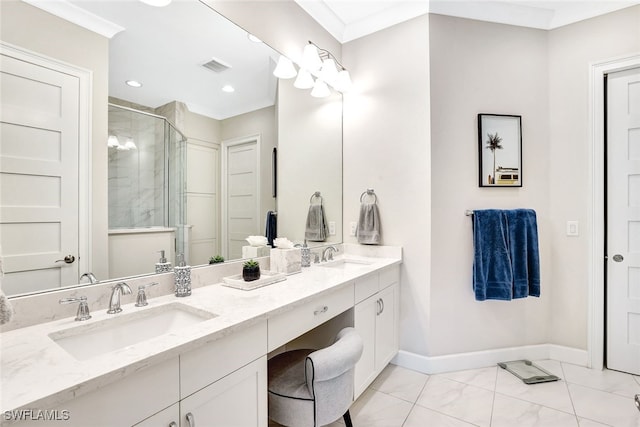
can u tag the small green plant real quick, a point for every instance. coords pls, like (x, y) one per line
(251, 264)
(216, 259)
(250, 270)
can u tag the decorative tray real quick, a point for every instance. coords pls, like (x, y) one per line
(266, 278)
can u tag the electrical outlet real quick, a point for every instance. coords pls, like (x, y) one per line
(352, 228)
(332, 228)
(572, 228)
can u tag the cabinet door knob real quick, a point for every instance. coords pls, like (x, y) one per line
(618, 258)
(381, 303)
(379, 309)
(190, 419)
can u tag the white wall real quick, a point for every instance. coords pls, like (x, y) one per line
(571, 51)
(387, 148)
(481, 67)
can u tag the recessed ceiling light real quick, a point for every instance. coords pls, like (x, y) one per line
(156, 3)
(253, 38)
(228, 88)
(133, 83)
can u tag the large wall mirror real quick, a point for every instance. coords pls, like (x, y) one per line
(192, 151)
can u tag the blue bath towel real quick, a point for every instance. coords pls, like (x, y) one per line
(524, 254)
(492, 273)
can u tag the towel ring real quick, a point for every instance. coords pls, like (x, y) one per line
(369, 192)
(316, 194)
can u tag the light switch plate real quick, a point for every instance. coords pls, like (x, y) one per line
(352, 228)
(572, 228)
(332, 228)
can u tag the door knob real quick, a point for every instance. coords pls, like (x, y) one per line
(618, 258)
(69, 259)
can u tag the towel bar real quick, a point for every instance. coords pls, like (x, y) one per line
(316, 194)
(369, 192)
(468, 212)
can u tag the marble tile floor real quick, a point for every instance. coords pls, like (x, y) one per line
(492, 397)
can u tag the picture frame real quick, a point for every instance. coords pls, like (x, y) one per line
(499, 150)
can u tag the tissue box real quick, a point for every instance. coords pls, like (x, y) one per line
(286, 261)
(255, 251)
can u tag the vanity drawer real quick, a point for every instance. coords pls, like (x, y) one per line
(366, 286)
(389, 276)
(209, 363)
(287, 326)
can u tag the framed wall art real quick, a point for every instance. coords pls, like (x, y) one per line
(500, 150)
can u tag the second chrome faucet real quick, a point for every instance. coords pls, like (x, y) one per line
(114, 303)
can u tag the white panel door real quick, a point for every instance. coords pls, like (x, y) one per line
(39, 134)
(623, 221)
(241, 195)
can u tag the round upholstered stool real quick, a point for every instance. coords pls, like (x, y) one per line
(314, 387)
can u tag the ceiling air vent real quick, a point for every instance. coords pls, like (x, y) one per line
(216, 65)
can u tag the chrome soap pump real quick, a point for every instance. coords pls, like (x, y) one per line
(162, 266)
(182, 275)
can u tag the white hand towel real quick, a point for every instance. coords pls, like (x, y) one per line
(368, 230)
(316, 228)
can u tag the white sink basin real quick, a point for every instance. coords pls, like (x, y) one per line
(87, 341)
(346, 263)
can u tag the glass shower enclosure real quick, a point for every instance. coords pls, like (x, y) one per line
(147, 184)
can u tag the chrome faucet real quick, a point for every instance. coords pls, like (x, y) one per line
(90, 276)
(141, 298)
(114, 302)
(83, 308)
(331, 250)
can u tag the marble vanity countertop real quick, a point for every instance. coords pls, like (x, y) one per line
(36, 373)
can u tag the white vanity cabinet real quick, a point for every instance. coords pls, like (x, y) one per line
(376, 320)
(123, 403)
(225, 383)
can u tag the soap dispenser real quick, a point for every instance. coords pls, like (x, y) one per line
(305, 253)
(162, 266)
(182, 274)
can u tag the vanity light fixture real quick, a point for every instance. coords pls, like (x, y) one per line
(228, 89)
(133, 83)
(130, 145)
(304, 80)
(319, 63)
(112, 141)
(285, 68)
(320, 89)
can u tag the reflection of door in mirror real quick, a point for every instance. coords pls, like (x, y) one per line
(240, 194)
(39, 200)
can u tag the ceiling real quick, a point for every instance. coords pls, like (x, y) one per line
(348, 20)
(165, 47)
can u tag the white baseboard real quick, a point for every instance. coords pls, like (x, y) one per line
(482, 359)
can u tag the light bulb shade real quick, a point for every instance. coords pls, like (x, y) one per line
(130, 145)
(284, 69)
(304, 80)
(112, 142)
(343, 81)
(329, 72)
(320, 89)
(310, 58)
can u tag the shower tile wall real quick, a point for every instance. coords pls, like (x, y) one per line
(136, 177)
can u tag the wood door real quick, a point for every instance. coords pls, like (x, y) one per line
(623, 221)
(39, 130)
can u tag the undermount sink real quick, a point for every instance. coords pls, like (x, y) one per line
(87, 341)
(346, 263)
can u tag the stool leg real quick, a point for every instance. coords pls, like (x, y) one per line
(347, 419)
